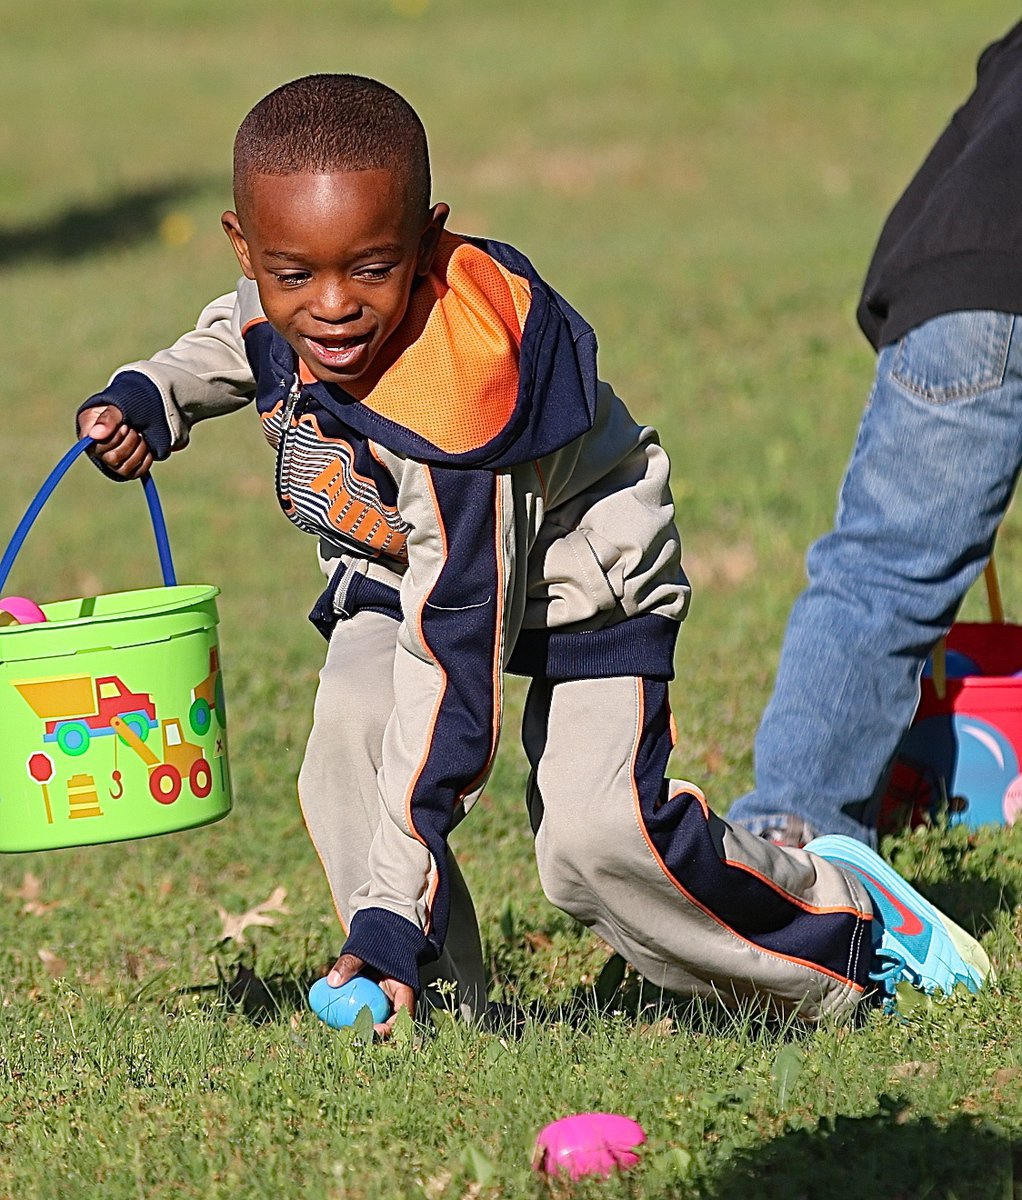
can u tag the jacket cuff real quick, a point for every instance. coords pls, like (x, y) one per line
(141, 402)
(389, 943)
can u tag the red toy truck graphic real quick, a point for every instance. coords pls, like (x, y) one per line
(77, 708)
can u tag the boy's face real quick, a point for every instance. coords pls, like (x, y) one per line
(334, 257)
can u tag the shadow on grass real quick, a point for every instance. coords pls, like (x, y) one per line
(891, 1154)
(120, 221)
(971, 901)
(258, 998)
(971, 875)
(620, 991)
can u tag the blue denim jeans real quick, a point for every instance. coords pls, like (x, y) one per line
(929, 480)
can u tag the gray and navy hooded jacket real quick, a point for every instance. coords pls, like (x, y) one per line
(487, 491)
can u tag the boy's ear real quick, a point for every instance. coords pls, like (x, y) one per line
(232, 227)
(438, 215)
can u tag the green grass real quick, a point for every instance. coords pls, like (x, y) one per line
(705, 181)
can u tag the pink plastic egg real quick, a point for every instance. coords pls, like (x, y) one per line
(588, 1144)
(18, 610)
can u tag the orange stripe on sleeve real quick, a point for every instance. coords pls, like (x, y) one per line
(251, 324)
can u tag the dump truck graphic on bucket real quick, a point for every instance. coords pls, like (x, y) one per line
(78, 708)
(208, 698)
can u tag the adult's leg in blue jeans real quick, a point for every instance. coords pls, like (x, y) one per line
(932, 472)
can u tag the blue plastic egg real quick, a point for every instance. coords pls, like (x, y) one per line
(338, 1007)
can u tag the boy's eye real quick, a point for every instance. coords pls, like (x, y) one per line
(290, 278)
(375, 273)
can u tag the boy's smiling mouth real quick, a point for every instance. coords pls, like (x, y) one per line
(335, 257)
(338, 353)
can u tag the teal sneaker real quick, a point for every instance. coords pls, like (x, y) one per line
(912, 941)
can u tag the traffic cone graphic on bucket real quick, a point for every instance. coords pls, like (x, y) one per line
(82, 797)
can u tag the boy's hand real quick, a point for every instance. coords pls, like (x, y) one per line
(121, 450)
(400, 995)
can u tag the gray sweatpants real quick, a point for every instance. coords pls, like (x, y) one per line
(697, 906)
(338, 792)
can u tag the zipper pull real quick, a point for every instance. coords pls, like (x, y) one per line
(285, 423)
(293, 397)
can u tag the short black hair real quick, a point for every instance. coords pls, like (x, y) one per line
(325, 123)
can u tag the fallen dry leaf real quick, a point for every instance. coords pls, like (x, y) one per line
(31, 891)
(31, 888)
(713, 758)
(658, 1029)
(54, 964)
(914, 1070)
(235, 924)
(436, 1185)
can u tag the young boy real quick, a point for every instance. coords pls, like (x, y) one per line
(483, 502)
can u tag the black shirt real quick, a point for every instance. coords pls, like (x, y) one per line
(954, 239)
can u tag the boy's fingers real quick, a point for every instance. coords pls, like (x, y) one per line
(122, 450)
(124, 453)
(137, 462)
(400, 996)
(106, 439)
(120, 446)
(100, 423)
(345, 968)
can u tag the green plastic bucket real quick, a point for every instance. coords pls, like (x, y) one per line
(112, 716)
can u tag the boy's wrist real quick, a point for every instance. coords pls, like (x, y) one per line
(141, 403)
(390, 944)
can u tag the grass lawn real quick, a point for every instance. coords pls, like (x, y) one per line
(704, 181)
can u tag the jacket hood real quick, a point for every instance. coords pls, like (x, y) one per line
(489, 368)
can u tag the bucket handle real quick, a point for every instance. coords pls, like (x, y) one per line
(51, 481)
(993, 587)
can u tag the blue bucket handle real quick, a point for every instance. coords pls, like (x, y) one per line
(54, 477)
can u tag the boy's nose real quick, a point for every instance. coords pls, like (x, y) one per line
(334, 304)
